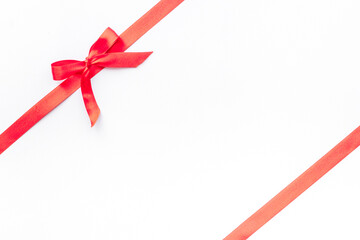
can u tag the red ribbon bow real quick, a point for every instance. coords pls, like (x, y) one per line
(97, 59)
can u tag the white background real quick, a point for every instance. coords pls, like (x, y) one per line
(238, 99)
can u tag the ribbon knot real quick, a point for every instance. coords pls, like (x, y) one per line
(98, 58)
(87, 63)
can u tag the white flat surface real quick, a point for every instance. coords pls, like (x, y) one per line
(238, 99)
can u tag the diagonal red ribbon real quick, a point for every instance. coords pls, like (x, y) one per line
(297, 187)
(108, 51)
(98, 58)
(72, 83)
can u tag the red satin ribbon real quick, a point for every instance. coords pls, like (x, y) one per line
(297, 187)
(98, 59)
(108, 51)
(72, 83)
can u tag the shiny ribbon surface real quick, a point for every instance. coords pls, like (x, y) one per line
(97, 59)
(297, 187)
(79, 73)
(109, 51)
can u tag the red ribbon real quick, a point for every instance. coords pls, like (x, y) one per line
(108, 51)
(97, 59)
(108, 44)
(297, 187)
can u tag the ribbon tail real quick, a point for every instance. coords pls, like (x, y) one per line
(91, 105)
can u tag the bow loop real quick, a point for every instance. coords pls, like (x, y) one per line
(64, 69)
(120, 59)
(98, 58)
(104, 43)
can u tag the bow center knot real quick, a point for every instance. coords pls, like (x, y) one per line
(87, 62)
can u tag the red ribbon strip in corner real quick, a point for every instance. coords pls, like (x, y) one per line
(74, 82)
(297, 187)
